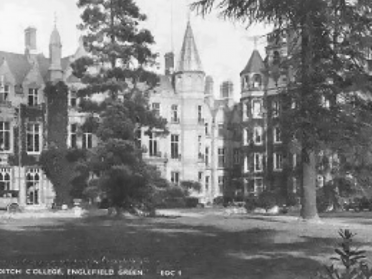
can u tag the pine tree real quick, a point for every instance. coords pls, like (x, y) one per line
(328, 79)
(119, 67)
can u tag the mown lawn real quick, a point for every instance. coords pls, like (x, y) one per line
(202, 245)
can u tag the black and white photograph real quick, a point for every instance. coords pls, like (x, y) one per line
(195, 139)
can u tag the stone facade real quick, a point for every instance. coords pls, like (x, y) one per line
(24, 112)
(202, 134)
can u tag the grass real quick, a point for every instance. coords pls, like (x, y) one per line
(200, 245)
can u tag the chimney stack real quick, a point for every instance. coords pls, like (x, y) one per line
(30, 40)
(169, 63)
(226, 89)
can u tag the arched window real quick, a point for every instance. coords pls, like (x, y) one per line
(257, 81)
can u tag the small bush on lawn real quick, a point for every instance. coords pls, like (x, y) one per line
(350, 262)
(267, 200)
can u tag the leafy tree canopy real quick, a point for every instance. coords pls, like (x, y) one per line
(118, 71)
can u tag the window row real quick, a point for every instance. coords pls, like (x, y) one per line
(258, 165)
(86, 137)
(258, 135)
(33, 98)
(255, 108)
(33, 177)
(175, 112)
(33, 137)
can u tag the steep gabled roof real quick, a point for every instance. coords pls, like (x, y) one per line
(18, 64)
(189, 57)
(255, 64)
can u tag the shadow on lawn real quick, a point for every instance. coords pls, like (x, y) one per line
(198, 250)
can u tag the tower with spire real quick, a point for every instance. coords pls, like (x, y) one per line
(189, 86)
(55, 55)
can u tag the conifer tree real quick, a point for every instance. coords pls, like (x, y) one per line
(326, 68)
(118, 68)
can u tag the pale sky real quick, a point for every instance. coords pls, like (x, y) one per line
(224, 47)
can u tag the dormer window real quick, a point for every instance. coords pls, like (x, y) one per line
(4, 93)
(257, 81)
(33, 98)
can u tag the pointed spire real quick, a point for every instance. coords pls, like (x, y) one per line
(189, 57)
(55, 38)
(255, 63)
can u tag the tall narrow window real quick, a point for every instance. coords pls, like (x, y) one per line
(258, 158)
(32, 186)
(174, 118)
(73, 99)
(220, 130)
(246, 138)
(221, 182)
(33, 137)
(200, 176)
(246, 163)
(206, 128)
(174, 146)
(156, 108)
(277, 135)
(33, 97)
(5, 179)
(73, 135)
(221, 157)
(4, 136)
(256, 109)
(278, 161)
(200, 153)
(236, 156)
(153, 144)
(175, 177)
(200, 114)
(294, 160)
(207, 183)
(207, 156)
(88, 139)
(258, 132)
(275, 109)
(4, 93)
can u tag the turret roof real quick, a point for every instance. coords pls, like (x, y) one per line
(55, 38)
(189, 57)
(255, 63)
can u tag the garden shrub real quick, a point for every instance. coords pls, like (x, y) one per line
(267, 199)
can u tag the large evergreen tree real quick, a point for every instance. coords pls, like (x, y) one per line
(328, 82)
(117, 68)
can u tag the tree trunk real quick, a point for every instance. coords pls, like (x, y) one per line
(308, 200)
(308, 160)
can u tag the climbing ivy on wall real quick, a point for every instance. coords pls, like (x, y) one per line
(53, 160)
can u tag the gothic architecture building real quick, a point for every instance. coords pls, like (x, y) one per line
(203, 143)
(26, 116)
(263, 147)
